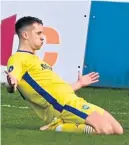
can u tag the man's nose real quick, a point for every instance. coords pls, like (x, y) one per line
(42, 38)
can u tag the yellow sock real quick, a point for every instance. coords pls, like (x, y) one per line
(58, 125)
(69, 127)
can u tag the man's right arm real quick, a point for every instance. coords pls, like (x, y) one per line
(10, 89)
(14, 73)
(12, 83)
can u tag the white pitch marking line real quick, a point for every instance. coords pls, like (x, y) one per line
(26, 107)
(12, 106)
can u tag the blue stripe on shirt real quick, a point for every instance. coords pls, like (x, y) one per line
(50, 99)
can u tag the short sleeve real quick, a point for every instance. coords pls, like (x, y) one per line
(15, 66)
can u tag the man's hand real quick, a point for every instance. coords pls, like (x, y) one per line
(85, 80)
(12, 82)
(88, 79)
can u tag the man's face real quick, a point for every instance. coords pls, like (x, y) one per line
(35, 36)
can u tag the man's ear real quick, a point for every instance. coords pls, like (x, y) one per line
(24, 35)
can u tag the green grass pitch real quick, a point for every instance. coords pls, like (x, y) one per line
(20, 126)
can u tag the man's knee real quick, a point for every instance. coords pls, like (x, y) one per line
(115, 124)
(119, 130)
(107, 129)
(99, 123)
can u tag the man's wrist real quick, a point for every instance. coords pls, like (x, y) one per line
(76, 86)
(79, 86)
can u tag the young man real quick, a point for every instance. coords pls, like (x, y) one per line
(51, 97)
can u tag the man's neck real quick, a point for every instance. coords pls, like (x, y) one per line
(26, 48)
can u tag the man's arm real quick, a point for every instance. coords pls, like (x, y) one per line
(76, 86)
(12, 83)
(14, 72)
(85, 80)
(10, 89)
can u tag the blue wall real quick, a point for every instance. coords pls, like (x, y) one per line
(107, 49)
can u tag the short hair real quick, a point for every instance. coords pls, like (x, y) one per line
(26, 21)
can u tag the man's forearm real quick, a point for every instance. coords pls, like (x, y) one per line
(76, 86)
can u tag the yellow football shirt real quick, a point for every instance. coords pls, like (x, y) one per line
(40, 85)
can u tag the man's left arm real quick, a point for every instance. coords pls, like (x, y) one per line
(85, 80)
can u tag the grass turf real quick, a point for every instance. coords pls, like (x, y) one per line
(20, 126)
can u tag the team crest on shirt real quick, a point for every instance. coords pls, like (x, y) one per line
(10, 68)
(45, 66)
(85, 107)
